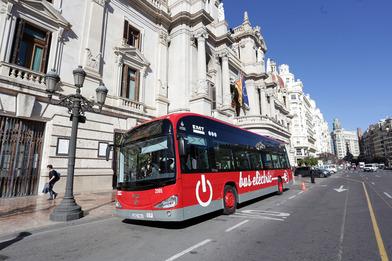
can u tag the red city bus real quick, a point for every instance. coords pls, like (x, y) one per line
(184, 165)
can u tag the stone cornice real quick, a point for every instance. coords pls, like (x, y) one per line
(191, 19)
(155, 13)
(42, 9)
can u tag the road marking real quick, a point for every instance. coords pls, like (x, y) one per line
(373, 183)
(239, 224)
(189, 250)
(389, 196)
(261, 214)
(299, 193)
(340, 189)
(292, 197)
(340, 252)
(380, 243)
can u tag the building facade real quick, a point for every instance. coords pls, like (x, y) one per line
(377, 142)
(344, 141)
(154, 56)
(309, 130)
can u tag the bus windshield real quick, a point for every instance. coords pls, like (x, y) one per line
(147, 161)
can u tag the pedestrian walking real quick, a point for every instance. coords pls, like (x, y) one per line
(54, 176)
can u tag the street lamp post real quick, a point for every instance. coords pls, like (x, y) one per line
(77, 106)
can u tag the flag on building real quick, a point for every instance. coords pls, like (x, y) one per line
(244, 94)
(240, 97)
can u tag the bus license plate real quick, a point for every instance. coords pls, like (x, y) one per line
(137, 215)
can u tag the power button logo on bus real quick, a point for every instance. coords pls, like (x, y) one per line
(203, 182)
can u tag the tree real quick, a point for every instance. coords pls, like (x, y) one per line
(308, 161)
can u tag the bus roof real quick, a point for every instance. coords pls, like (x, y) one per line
(175, 117)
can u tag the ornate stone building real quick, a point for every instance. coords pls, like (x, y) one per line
(155, 57)
(309, 131)
(344, 141)
(377, 142)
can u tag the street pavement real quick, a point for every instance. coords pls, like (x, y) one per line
(330, 220)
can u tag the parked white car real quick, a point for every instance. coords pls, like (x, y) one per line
(370, 167)
(331, 168)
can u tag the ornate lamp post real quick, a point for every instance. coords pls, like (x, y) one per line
(77, 106)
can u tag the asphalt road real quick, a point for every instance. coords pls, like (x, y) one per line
(320, 223)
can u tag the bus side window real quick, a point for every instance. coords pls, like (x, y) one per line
(196, 156)
(241, 159)
(223, 157)
(275, 161)
(283, 161)
(255, 160)
(267, 160)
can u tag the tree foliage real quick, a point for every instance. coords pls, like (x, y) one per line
(308, 161)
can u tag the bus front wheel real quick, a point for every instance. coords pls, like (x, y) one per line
(229, 200)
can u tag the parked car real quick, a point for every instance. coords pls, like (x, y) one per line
(370, 167)
(321, 173)
(302, 171)
(307, 171)
(361, 164)
(331, 168)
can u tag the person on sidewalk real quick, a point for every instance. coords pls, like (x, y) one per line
(54, 176)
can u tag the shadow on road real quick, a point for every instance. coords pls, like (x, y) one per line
(19, 237)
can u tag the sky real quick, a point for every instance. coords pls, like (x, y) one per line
(340, 49)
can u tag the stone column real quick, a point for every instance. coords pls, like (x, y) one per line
(272, 106)
(226, 80)
(201, 62)
(93, 41)
(142, 84)
(161, 92)
(8, 22)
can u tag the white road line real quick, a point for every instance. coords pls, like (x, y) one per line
(239, 224)
(340, 251)
(373, 183)
(389, 196)
(292, 197)
(299, 193)
(255, 217)
(188, 250)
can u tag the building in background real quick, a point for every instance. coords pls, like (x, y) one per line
(377, 142)
(309, 130)
(344, 141)
(154, 56)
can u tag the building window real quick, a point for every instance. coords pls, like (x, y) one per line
(31, 47)
(130, 83)
(131, 35)
(293, 97)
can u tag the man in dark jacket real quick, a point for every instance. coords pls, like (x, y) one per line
(54, 176)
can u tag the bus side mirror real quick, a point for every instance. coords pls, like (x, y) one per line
(181, 144)
(108, 150)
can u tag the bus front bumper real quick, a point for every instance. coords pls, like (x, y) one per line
(151, 215)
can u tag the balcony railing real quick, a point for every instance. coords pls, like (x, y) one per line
(22, 75)
(159, 4)
(259, 119)
(130, 105)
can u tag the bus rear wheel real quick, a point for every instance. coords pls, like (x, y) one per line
(229, 200)
(280, 186)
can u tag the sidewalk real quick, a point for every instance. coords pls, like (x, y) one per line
(28, 213)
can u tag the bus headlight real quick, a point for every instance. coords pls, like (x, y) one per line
(170, 202)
